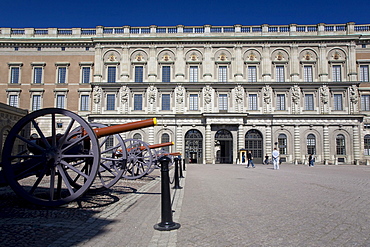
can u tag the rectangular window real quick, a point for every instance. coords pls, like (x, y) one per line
(365, 102)
(252, 73)
(166, 73)
(364, 73)
(280, 102)
(253, 102)
(338, 103)
(112, 74)
(193, 74)
(37, 75)
(337, 73)
(111, 102)
(62, 72)
(84, 104)
(60, 101)
(36, 102)
(14, 75)
(166, 102)
(13, 100)
(86, 74)
(138, 102)
(280, 77)
(139, 72)
(309, 104)
(222, 102)
(307, 73)
(193, 102)
(222, 74)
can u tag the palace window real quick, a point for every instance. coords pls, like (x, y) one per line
(337, 73)
(222, 102)
(364, 73)
(84, 103)
(62, 75)
(37, 75)
(338, 102)
(14, 75)
(307, 73)
(138, 102)
(139, 73)
(367, 145)
(165, 138)
(309, 103)
(137, 136)
(340, 144)
(86, 72)
(166, 73)
(280, 102)
(111, 102)
(36, 102)
(252, 73)
(193, 74)
(222, 73)
(279, 74)
(365, 102)
(253, 106)
(282, 144)
(166, 102)
(112, 74)
(311, 144)
(193, 102)
(60, 101)
(14, 100)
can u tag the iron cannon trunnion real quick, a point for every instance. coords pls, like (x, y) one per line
(43, 163)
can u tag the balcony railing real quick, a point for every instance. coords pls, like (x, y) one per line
(185, 31)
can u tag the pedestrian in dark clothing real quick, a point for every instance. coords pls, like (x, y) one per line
(250, 159)
(311, 160)
(266, 162)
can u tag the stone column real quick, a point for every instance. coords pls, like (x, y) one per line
(326, 145)
(98, 64)
(241, 139)
(356, 145)
(352, 73)
(208, 64)
(323, 63)
(179, 140)
(151, 135)
(152, 64)
(294, 63)
(238, 63)
(268, 140)
(266, 63)
(208, 149)
(125, 65)
(297, 145)
(180, 64)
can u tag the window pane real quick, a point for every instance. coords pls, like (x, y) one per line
(338, 102)
(340, 145)
(193, 77)
(367, 145)
(166, 102)
(365, 102)
(37, 75)
(60, 101)
(337, 73)
(309, 104)
(311, 144)
(36, 102)
(222, 74)
(222, 102)
(253, 102)
(252, 73)
(111, 102)
(193, 102)
(364, 73)
(165, 138)
(111, 74)
(282, 144)
(166, 74)
(138, 102)
(280, 102)
(14, 75)
(280, 74)
(86, 75)
(84, 103)
(307, 71)
(62, 74)
(139, 71)
(13, 100)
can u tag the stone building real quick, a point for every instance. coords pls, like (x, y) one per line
(213, 89)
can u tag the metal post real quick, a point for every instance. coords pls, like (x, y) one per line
(177, 179)
(183, 162)
(166, 224)
(180, 168)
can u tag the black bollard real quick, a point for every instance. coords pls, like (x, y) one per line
(180, 168)
(183, 162)
(166, 224)
(177, 178)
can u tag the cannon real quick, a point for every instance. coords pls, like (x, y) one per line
(60, 160)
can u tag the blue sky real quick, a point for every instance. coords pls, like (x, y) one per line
(115, 13)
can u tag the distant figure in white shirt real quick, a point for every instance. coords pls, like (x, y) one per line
(275, 158)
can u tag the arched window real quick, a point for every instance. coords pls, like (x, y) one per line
(341, 144)
(367, 145)
(311, 144)
(137, 136)
(282, 144)
(165, 138)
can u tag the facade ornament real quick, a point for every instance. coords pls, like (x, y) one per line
(353, 90)
(180, 91)
(97, 94)
(267, 94)
(152, 92)
(239, 94)
(296, 94)
(324, 93)
(207, 94)
(124, 94)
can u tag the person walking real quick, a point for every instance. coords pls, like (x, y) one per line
(311, 160)
(250, 159)
(275, 158)
(266, 162)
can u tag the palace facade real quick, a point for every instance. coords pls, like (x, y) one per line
(214, 90)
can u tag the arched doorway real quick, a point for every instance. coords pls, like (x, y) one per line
(224, 146)
(193, 146)
(253, 142)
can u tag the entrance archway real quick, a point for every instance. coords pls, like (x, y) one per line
(253, 142)
(224, 146)
(193, 146)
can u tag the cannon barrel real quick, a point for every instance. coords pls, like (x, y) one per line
(160, 145)
(115, 129)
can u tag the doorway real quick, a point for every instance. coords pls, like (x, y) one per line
(224, 146)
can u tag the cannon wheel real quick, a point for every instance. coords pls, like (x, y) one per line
(156, 155)
(40, 170)
(139, 159)
(113, 159)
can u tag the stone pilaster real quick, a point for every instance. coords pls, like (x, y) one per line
(326, 144)
(125, 65)
(356, 145)
(208, 64)
(323, 64)
(268, 140)
(98, 64)
(297, 145)
(294, 63)
(266, 63)
(180, 64)
(209, 150)
(241, 139)
(352, 73)
(179, 138)
(238, 63)
(152, 64)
